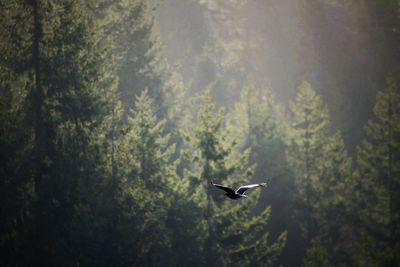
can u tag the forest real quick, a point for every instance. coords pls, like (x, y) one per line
(116, 116)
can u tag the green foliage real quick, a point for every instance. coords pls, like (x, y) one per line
(257, 113)
(137, 48)
(145, 176)
(106, 159)
(53, 83)
(16, 187)
(307, 138)
(322, 171)
(215, 157)
(378, 179)
(316, 255)
(258, 123)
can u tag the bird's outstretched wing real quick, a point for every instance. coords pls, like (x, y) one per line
(226, 189)
(244, 188)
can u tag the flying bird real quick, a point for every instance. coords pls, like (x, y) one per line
(239, 193)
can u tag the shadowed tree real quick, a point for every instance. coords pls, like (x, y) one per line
(378, 186)
(231, 233)
(307, 139)
(138, 52)
(258, 123)
(63, 66)
(145, 177)
(16, 137)
(322, 172)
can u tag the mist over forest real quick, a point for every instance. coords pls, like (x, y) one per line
(116, 116)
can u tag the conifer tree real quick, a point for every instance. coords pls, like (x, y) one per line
(137, 49)
(145, 176)
(212, 156)
(58, 77)
(308, 137)
(322, 172)
(16, 188)
(379, 183)
(258, 123)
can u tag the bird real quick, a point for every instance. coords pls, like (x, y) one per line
(239, 193)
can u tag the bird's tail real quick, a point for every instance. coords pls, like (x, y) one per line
(263, 184)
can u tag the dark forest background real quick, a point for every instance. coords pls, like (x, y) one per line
(117, 115)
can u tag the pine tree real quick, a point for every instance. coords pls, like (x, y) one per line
(16, 138)
(261, 129)
(322, 171)
(257, 111)
(378, 182)
(59, 81)
(308, 137)
(258, 122)
(211, 156)
(145, 176)
(137, 49)
(317, 255)
(333, 212)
